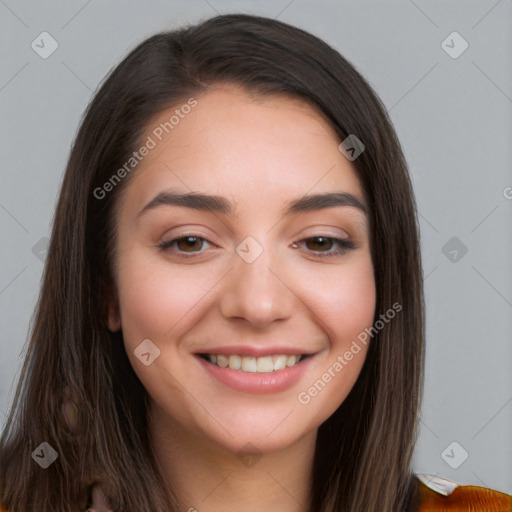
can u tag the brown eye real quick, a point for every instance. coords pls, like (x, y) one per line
(319, 243)
(326, 246)
(184, 246)
(189, 243)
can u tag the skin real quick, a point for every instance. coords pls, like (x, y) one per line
(289, 294)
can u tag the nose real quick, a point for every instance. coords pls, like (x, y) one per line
(258, 292)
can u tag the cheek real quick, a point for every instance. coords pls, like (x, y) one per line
(344, 300)
(156, 297)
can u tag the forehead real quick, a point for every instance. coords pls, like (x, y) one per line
(247, 148)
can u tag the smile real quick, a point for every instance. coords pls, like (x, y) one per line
(249, 364)
(253, 373)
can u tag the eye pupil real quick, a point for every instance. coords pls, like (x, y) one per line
(321, 241)
(191, 242)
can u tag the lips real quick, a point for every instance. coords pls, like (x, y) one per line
(252, 359)
(254, 369)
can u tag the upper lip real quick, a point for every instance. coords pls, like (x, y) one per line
(254, 351)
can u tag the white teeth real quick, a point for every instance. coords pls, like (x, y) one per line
(248, 364)
(235, 362)
(280, 362)
(265, 364)
(222, 361)
(291, 361)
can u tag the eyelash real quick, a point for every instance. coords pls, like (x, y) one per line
(343, 245)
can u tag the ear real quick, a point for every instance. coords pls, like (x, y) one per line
(114, 317)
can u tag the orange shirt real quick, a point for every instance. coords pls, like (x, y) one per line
(440, 495)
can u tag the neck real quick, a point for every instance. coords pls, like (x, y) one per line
(206, 477)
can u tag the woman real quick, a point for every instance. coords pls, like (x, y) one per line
(232, 300)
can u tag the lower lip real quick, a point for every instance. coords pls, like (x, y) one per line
(262, 383)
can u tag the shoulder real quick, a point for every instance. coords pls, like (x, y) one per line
(441, 495)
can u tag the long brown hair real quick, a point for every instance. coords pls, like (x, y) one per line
(76, 368)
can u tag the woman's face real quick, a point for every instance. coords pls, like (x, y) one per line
(245, 283)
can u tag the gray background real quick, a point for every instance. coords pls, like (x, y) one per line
(452, 116)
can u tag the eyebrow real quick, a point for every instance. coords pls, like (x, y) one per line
(218, 204)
